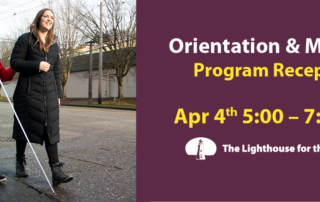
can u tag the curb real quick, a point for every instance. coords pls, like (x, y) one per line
(99, 106)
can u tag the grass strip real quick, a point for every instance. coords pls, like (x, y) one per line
(5, 99)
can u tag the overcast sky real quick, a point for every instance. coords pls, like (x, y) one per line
(18, 14)
(25, 11)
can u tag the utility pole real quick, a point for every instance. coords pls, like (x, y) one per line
(90, 75)
(100, 58)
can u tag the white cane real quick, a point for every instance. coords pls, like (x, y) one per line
(26, 136)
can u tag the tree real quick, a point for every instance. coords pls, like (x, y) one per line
(68, 37)
(119, 20)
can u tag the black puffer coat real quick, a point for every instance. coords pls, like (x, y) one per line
(36, 95)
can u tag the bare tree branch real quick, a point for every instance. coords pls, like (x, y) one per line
(69, 38)
(119, 39)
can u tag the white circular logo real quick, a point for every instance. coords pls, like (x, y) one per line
(201, 147)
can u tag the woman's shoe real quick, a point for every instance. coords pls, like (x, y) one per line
(58, 176)
(2, 178)
(20, 167)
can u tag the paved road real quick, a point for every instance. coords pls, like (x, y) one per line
(98, 147)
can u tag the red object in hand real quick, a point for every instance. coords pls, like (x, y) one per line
(6, 74)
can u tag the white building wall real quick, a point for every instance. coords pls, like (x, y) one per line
(10, 87)
(112, 86)
(77, 85)
(129, 83)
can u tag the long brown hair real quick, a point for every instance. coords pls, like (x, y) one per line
(34, 27)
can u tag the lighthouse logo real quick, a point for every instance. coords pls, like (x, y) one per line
(201, 147)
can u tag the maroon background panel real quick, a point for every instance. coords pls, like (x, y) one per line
(166, 82)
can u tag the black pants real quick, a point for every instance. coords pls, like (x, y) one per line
(52, 149)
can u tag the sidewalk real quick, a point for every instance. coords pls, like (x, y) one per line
(98, 147)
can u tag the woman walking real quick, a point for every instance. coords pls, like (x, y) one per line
(38, 92)
(5, 75)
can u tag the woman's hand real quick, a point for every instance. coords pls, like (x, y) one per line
(44, 66)
(59, 101)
